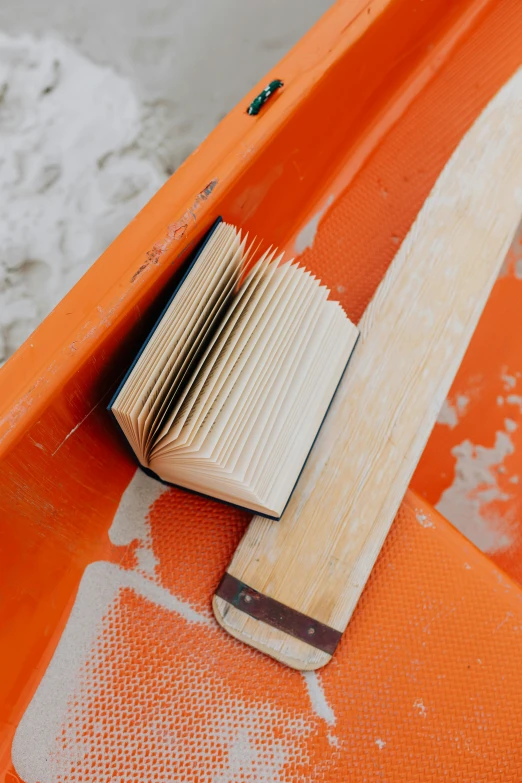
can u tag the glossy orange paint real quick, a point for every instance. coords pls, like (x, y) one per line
(376, 97)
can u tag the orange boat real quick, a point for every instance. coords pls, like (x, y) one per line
(113, 668)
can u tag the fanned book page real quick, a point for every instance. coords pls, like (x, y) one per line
(230, 389)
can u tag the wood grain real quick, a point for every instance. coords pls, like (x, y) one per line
(318, 557)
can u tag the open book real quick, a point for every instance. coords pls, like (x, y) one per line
(229, 391)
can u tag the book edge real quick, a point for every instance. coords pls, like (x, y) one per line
(151, 473)
(191, 263)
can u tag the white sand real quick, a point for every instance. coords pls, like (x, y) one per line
(74, 170)
(99, 103)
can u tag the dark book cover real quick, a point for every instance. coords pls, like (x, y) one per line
(190, 263)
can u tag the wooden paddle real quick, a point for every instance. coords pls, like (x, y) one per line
(292, 585)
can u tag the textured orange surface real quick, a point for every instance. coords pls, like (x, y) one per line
(425, 684)
(427, 681)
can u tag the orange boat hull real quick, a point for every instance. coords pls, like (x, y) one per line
(427, 680)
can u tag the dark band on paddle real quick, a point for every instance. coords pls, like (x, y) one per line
(276, 614)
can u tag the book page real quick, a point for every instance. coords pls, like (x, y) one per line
(207, 372)
(253, 415)
(150, 360)
(257, 330)
(179, 324)
(331, 359)
(181, 330)
(198, 330)
(253, 353)
(287, 323)
(228, 394)
(294, 361)
(307, 382)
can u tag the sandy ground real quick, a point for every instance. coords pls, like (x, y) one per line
(99, 103)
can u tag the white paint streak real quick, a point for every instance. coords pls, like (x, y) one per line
(474, 486)
(159, 595)
(447, 415)
(131, 519)
(451, 413)
(318, 698)
(306, 236)
(380, 743)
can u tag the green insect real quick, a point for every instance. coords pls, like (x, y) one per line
(262, 98)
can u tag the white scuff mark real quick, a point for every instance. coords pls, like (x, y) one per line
(418, 704)
(74, 430)
(131, 523)
(318, 698)
(306, 236)
(474, 486)
(380, 743)
(451, 413)
(467, 566)
(510, 425)
(437, 617)
(500, 400)
(514, 479)
(506, 619)
(340, 289)
(423, 519)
